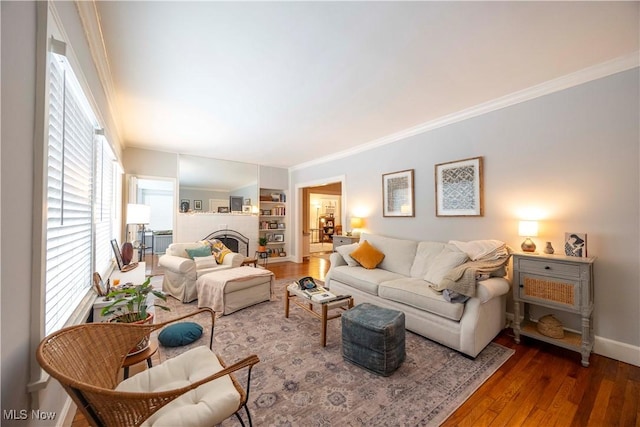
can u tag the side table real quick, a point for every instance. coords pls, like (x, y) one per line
(263, 255)
(249, 261)
(554, 282)
(139, 357)
(340, 240)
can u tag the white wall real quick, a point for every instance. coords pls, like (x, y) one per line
(18, 115)
(573, 154)
(19, 118)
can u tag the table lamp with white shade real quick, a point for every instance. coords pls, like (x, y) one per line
(356, 223)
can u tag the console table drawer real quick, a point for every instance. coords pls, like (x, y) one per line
(549, 268)
(550, 291)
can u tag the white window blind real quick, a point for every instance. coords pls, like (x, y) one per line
(104, 205)
(69, 198)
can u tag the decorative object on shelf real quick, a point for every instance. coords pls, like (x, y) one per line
(235, 203)
(397, 194)
(528, 229)
(262, 244)
(550, 326)
(184, 205)
(548, 249)
(117, 253)
(278, 237)
(459, 188)
(99, 286)
(127, 253)
(130, 305)
(139, 215)
(197, 205)
(223, 209)
(273, 224)
(575, 244)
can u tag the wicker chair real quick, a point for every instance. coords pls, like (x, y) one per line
(86, 360)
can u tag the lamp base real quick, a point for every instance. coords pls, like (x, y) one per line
(528, 245)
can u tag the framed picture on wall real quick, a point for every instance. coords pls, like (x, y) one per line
(459, 188)
(397, 194)
(197, 205)
(235, 203)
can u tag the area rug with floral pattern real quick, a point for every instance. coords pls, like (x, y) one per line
(300, 383)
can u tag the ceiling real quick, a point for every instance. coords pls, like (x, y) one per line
(287, 83)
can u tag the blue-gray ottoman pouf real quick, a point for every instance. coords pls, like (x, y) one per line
(373, 338)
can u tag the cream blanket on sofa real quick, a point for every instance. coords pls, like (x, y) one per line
(486, 256)
(211, 287)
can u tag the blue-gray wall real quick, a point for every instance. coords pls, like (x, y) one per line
(573, 154)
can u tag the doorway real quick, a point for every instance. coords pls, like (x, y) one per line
(323, 217)
(159, 194)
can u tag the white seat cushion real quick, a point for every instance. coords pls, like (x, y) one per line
(208, 405)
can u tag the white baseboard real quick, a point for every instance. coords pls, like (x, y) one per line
(617, 350)
(606, 347)
(67, 414)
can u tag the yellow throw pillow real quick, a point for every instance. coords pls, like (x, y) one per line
(367, 255)
(219, 250)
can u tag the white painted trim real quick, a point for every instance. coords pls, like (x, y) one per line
(617, 350)
(90, 20)
(594, 72)
(67, 413)
(297, 214)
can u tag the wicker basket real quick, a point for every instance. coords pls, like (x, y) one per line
(550, 327)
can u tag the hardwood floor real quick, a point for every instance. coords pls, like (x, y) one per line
(540, 385)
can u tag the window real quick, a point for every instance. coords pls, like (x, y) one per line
(80, 197)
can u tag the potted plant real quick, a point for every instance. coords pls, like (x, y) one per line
(130, 305)
(262, 244)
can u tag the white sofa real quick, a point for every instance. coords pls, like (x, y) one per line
(398, 283)
(180, 272)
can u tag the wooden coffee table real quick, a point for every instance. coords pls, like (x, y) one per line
(317, 309)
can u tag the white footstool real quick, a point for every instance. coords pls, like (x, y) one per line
(226, 291)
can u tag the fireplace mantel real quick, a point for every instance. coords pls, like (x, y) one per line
(195, 226)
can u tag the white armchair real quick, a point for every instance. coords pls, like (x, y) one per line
(181, 273)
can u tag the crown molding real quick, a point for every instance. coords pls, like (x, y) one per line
(585, 75)
(90, 20)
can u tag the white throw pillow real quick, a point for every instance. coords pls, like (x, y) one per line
(205, 262)
(446, 261)
(345, 250)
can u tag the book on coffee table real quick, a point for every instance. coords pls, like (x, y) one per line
(323, 296)
(313, 291)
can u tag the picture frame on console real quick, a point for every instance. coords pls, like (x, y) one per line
(117, 253)
(459, 188)
(397, 194)
(575, 244)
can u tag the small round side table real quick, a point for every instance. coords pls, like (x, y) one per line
(139, 357)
